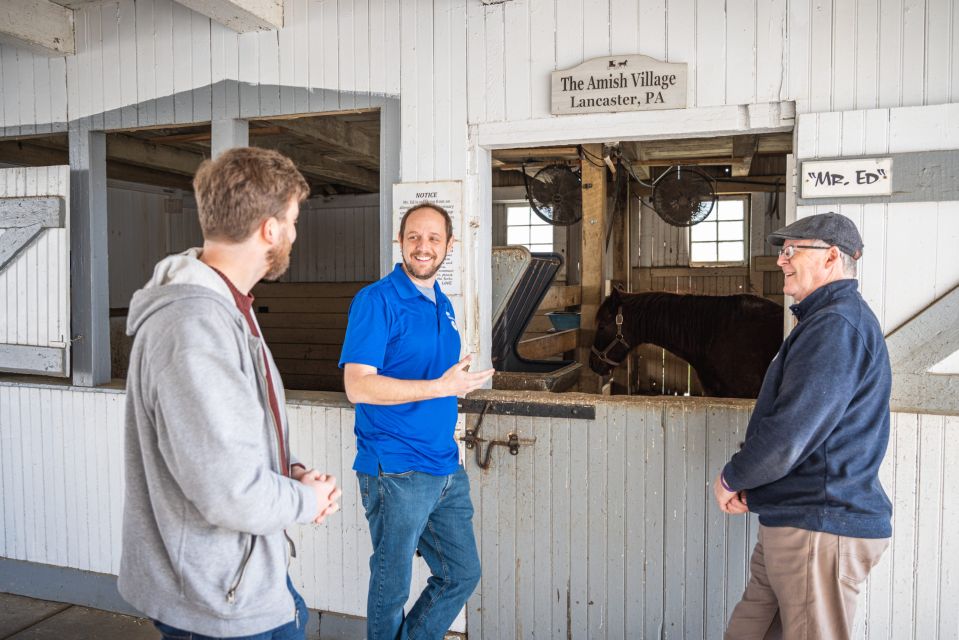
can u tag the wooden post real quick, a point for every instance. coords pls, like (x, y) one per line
(228, 133)
(593, 249)
(89, 272)
(619, 257)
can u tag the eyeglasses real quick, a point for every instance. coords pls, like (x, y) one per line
(789, 251)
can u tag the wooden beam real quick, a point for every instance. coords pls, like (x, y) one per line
(332, 170)
(559, 297)
(157, 156)
(335, 134)
(744, 147)
(241, 16)
(18, 358)
(766, 263)
(22, 153)
(538, 153)
(593, 250)
(89, 269)
(38, 25)
(552, 344)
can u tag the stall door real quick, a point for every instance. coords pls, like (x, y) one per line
(35, 270)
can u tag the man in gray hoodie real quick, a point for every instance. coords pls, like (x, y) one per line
(210, 483)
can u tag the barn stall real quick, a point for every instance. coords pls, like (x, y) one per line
(601, 523)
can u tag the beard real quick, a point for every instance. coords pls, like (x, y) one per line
(278, 260)
(421, 271)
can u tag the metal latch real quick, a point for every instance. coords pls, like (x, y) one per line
(484, 458)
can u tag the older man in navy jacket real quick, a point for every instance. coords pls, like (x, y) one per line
(810, 463)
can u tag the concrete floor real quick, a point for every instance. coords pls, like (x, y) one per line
(30, 619)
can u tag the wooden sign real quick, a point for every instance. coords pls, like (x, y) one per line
(847, 178)
(619, 83)
(448, 195)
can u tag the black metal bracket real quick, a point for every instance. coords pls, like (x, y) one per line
(473, 441)
(529, 409)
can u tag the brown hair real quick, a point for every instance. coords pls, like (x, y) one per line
(243, 187)
(434, 207)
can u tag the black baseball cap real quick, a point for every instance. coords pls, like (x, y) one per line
(832, 228)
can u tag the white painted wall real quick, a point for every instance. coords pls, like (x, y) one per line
(636, 539)
(909, 259)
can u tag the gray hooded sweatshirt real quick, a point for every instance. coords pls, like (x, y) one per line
(206, 503)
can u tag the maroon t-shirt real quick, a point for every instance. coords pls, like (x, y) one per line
(244, 302)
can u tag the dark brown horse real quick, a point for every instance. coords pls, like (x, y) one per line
(728, 340)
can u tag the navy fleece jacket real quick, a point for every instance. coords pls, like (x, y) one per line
(820, 427)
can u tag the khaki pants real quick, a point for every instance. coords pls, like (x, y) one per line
(803, 585)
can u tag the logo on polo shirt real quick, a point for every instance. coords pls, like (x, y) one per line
(452, 320)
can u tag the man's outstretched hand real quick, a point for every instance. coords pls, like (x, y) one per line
(457, 381)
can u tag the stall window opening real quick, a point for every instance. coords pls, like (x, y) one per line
(720, 239)
(525, 228)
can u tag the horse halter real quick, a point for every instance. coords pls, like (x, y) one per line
(619, 339)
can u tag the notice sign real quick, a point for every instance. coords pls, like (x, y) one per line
(619, 83)
(847, 178)
(448, 195)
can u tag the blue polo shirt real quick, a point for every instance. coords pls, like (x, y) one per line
(395, 328)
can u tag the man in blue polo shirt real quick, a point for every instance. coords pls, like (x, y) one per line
(400, 369)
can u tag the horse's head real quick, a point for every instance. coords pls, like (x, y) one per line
(609, 347)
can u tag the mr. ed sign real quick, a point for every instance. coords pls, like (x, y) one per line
(619, 83)
(847, 178)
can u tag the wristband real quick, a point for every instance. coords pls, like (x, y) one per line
(722, 481)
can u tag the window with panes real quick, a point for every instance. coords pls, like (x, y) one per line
(721, 238)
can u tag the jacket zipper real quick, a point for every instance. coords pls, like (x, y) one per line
(277, 429)
(231, 594)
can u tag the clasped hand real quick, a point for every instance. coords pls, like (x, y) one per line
(325, 489)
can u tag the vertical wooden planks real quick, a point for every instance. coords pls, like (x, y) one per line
(597, 525)
(674, 516)
(902, 553)
(617, 496)
(517, 55)
(164, 55)
(110, 75)
(268, 78)
(742, 34)
(655, 534)
(867, 54)
(698, 504)
(542, 582)
(844, 61)
(771, 73)
(145, 75)
(928, 526)
(891, 64)
(949, 523)
(521, 469)
(561, 483)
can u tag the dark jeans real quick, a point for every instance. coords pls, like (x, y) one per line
(410, 511)
(292, 630)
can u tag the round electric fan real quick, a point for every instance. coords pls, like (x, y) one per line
(683, 196)
(555, 194)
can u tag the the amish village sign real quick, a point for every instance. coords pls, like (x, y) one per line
(847, 178)
(619, 83)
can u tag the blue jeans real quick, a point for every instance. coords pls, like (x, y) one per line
(410, 511)
(292, 630)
